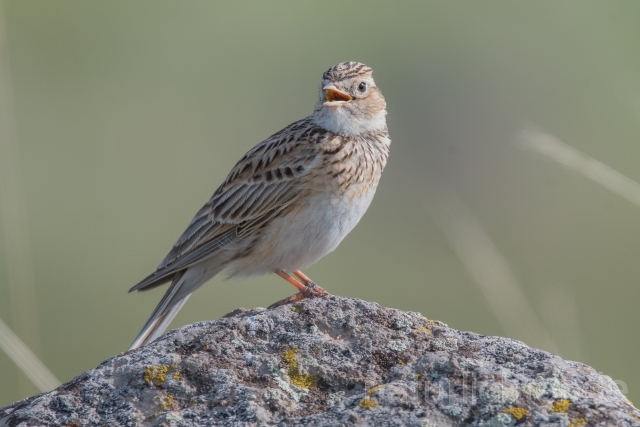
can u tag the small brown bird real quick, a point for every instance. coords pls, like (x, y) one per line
(288, 202)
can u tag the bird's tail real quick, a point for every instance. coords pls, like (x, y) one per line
(181, 288)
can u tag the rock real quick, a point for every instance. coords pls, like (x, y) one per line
(330, 362)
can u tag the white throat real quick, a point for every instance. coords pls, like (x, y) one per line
(342, 122)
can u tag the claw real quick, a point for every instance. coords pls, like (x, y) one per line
(309, 289)
(288, 300)
(314, 291)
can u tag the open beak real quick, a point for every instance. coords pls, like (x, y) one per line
(335, 97)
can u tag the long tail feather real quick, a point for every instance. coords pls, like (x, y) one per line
(166, 310)
(155, 327)
(183, 284)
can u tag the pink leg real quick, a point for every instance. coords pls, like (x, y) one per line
(291, 280)
(307, 290)
(312, 286)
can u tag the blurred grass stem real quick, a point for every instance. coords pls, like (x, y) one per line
(13, 213)
(551, 147)
(489, 269)
(28, 363)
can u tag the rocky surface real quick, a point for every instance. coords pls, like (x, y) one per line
(330, 362)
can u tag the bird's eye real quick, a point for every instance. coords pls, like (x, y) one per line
(362, 87)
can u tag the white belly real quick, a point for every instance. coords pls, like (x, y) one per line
(302, 237)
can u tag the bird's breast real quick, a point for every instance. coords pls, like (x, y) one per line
(353, 166)
(335, 195)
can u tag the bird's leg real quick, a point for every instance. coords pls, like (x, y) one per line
(291, 280)
(312, 287)
(311, 290)
(306, 280)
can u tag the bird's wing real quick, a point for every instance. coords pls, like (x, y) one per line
(269, 178)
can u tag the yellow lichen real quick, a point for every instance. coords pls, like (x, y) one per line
(517, 413)
(168, 401)
(577, 422)
(431, 322)
(296, 377)
(290, 357)
(417, 376)
(368, 403)
(302, 380)
(176, 375)
(296, 308)
(400, 362)
(424, 329)
(156, 375)
(561, 405)
(374, 389)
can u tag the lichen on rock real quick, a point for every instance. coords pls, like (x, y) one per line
(329, 362)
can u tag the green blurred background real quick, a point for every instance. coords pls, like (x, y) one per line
(128, 115)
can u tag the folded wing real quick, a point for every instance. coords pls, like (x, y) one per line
(268, 179)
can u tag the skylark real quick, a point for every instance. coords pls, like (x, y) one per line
(288, 202)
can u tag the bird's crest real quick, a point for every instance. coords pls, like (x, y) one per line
(345, 70)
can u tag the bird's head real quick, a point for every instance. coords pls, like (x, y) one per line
(350, 102)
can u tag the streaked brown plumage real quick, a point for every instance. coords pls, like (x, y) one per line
(289, 201)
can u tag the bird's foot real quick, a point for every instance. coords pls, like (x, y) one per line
(288, 300)
(311, 292)
(308, 289)
(314, 291)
